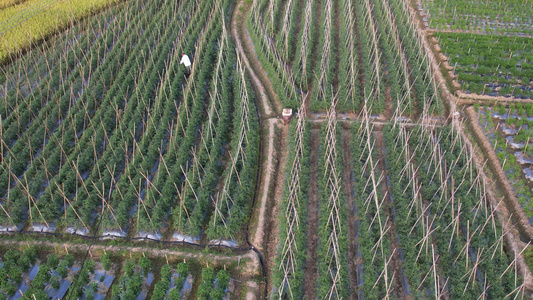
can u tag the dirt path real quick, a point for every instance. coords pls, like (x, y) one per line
(466, 99)
(471, 31)
(348, 188)
(274, 147)
(270, 105)
(311, 270)
(269, 169)
(271, 237)
(252, 261)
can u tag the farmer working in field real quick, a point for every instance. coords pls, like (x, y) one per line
(187, 62)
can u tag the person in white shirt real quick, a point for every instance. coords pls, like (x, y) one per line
(187, 62)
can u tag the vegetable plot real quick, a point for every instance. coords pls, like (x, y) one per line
(490, 65)
(509, 131)
(511, 17)
(423, 224)
(29, 274)
(105, 134)
(347, 50)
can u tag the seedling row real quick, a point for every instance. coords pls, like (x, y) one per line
(508, 130)
(492, 16)
(28, 273)
(490, 65)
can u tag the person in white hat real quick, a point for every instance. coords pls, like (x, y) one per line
(187, 62)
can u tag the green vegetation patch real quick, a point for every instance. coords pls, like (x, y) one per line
(509, 130)
(36, 19)
(491, 65)
(511, 17)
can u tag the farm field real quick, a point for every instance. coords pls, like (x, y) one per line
(6, 3)
(46, 274)
(489, 64)
(382, 206)
(119, 140)
(512, 17)
(25, 22)
(509, 132)
(315, 48)
(313, 150)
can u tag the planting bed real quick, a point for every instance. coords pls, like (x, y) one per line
(104, 133)
(345, 50)
(490, 65)
(509, 131)
(421, 223)
(28, 273)
(511, 17)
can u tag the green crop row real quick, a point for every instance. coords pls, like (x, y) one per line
(513, 170)
(492, 16)
(108, 276)
(489, 64)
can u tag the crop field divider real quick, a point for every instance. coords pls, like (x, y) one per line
(287, 21)
(93, 144)
(412, 46)
(374, 272)
(400, 52)
(189, 158)
(134, 135)
(375, 182)
(332, 228)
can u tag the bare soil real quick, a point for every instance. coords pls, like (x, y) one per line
(252, 290)
(311, 270)
(272, 228)
(270, 167)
